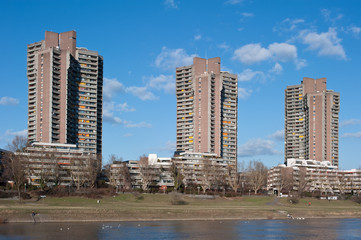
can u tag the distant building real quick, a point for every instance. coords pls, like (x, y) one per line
(207, 100)
(132, 174)
(204, 169)
(311, 121)
(313, 176)
(58, 164)
(193, 169)
(65, 92)
(2, 153)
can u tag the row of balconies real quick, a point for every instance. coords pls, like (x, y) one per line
(92, 61)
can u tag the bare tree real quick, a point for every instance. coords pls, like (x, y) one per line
(13, 163)
(232, 177)
(18, 144)
(303, 183)
(78, 174)
(45, 172)
(125, 177)
(14, 170)
(56, 168)
(341, 184)
(218, 177)
(243, 177)
(106, 168)
(286, 180)
(146, 171)
(177, 176)
(189, 175)
(93, 169)
(206, 175)
(257, 175)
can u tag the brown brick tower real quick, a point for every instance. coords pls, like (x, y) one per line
(207, 109)
(65, 92)
(311, 121)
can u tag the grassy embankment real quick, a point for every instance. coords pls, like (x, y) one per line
(129, 207)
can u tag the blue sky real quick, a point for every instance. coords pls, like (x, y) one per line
(269, 44)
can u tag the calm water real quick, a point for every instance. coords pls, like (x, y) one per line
(258, 229)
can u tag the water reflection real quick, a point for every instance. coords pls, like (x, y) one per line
(257, 229)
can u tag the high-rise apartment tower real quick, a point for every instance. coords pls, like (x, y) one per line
(311, 121)
(65, 92)
(207, 109)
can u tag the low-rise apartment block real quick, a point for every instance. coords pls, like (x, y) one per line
(58, 164)
(313, 176)
(146, 173)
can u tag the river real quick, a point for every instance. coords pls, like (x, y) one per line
(255, 229)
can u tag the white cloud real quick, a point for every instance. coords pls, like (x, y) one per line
(283, 51)
(223, 46)
(278, 135)
(163, 82)
(141, 92)
(251, 53)
(170, 4)
(277, 68)
(108, 116)
(246, 14)
(124, 107)
(326, 14)
(350, 122)
(288, 25)
(111, 87)
(295, 22)
(169, 59)
(127, 135)
(244, 93)
(22, 133)
(249, 74)
(352, 135)
(300, 63)
(255, 147)
(120, 107)
(8, 101)
(138, 125)
(234, 2)
(198, 37)
(326, 43)
(328, 18)
(355, 31)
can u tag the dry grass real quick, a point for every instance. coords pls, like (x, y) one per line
(161, 206)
